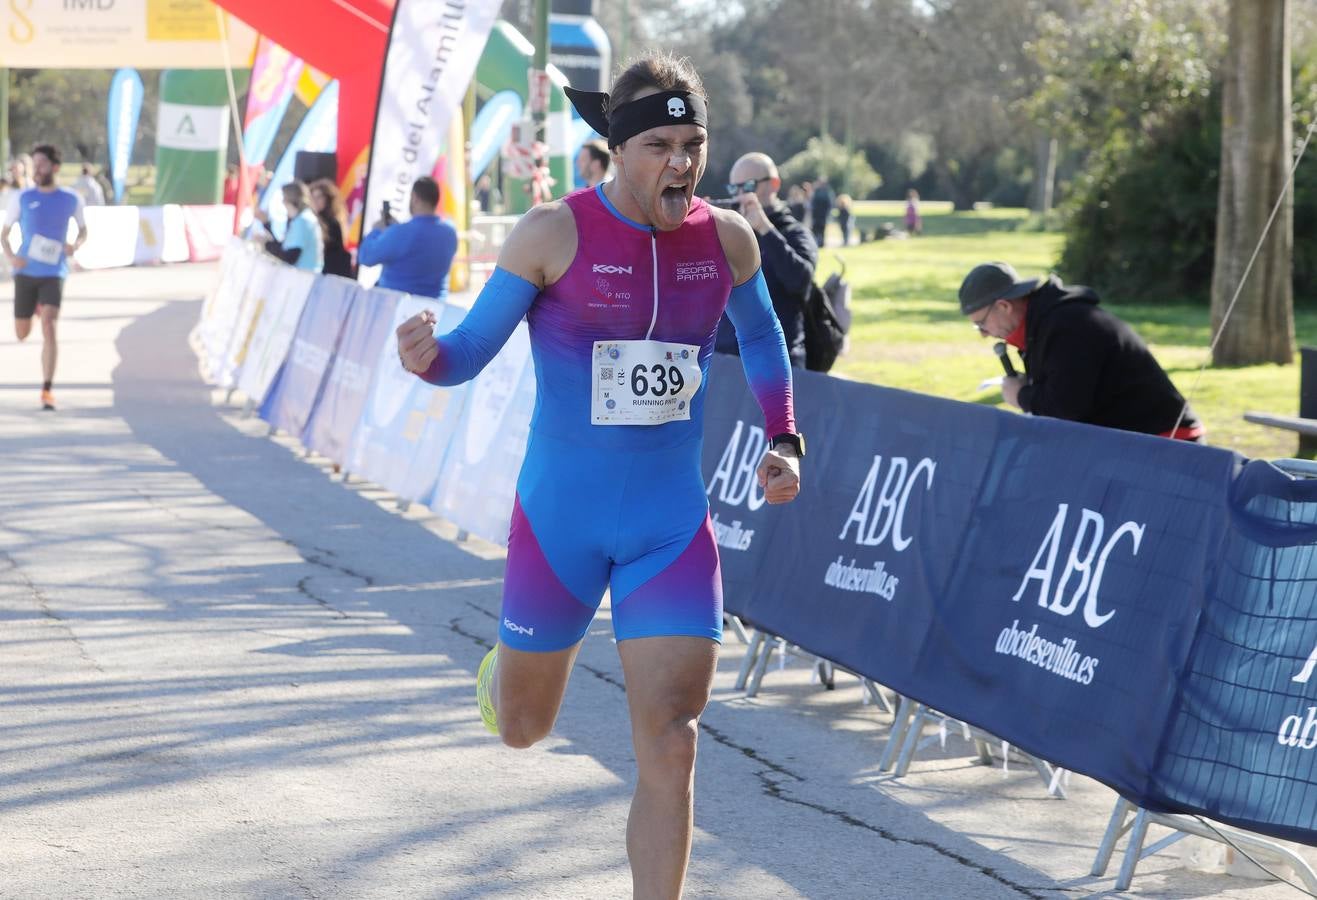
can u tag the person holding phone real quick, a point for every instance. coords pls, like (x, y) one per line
(417, 254)
(785, 245)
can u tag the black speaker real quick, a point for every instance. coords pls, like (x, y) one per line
(309, 167)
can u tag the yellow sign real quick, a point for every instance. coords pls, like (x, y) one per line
(181, 20)
(107, 34)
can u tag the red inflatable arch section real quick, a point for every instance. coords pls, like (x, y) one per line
(346, 39)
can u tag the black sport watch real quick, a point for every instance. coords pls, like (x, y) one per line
(797, 442)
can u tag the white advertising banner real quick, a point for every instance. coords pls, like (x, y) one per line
(220, 312)
(108, 34)
(433, 49)
(285, 296)
(250, 307)
(111, 237)
(161, 235)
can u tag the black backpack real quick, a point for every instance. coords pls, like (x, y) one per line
(824, 334)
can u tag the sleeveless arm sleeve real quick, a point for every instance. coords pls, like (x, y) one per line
(468, 348)
(763, 352)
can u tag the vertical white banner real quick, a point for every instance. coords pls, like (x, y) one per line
(433, 49)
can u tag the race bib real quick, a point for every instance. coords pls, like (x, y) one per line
(44, 250)
(643, 382)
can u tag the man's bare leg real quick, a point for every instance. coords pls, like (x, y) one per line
(667, 686)
(528, 689)
(49, 351)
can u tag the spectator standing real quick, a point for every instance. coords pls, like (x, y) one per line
(845, 218)
(914, 223)
(303, 244)
(787, 252)
(327, 204)
(88, 188)
(230, 197)
(417, 254)
(592, 163)
(1081, 362)
(820, 208)
(487, 196)
(797, 203)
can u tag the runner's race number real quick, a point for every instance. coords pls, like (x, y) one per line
(643, 382)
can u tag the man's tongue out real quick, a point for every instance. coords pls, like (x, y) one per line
(674, 202)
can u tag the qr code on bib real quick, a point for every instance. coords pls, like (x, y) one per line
(606, 373)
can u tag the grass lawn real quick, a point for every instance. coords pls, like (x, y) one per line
(908, 332)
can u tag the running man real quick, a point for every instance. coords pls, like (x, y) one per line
(623, 285)
(42, 214)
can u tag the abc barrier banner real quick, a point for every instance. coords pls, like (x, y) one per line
(285, 298)
(1128, 607)
(368, 331)
(1139, 610)
(407, 425)
(478, 483)
(1242, 741)
(296, 390)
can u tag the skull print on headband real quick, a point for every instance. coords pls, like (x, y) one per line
(629, 119)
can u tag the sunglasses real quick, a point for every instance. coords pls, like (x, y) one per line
(746, 187)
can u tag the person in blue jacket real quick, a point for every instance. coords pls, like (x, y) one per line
(416, 254)
(303, 245)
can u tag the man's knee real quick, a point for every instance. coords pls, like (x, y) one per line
(520, 730)
(669, 750)
(48, 320)
(22, 328)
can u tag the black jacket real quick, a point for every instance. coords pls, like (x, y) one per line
(789, 255)
(338, 261)
(1086, 365)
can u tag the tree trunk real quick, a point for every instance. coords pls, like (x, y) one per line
(958, 177)
(1044, 174)
(1256, 155)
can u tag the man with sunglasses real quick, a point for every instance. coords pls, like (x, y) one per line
(1081, 362)
(786, 247)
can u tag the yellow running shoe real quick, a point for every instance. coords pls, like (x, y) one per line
(484, 697)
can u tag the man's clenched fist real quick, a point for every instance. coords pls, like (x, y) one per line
(417, 347)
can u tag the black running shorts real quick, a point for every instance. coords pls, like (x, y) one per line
(29, 291)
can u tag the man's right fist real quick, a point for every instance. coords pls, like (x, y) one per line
(417, 347)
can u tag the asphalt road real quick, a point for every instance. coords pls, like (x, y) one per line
(224, 673)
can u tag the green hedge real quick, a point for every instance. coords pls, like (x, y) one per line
(1141, 223)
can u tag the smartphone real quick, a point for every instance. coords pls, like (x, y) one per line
(385, 214)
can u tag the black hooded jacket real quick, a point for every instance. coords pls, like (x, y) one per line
(1084, 364)
(789, 255)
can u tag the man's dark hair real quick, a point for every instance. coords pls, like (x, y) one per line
(657, 69)
(598, 151)
(49, 151)
(426, 189)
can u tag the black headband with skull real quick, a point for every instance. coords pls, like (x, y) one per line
(629, 119)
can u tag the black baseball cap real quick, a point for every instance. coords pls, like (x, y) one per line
(990, 282)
